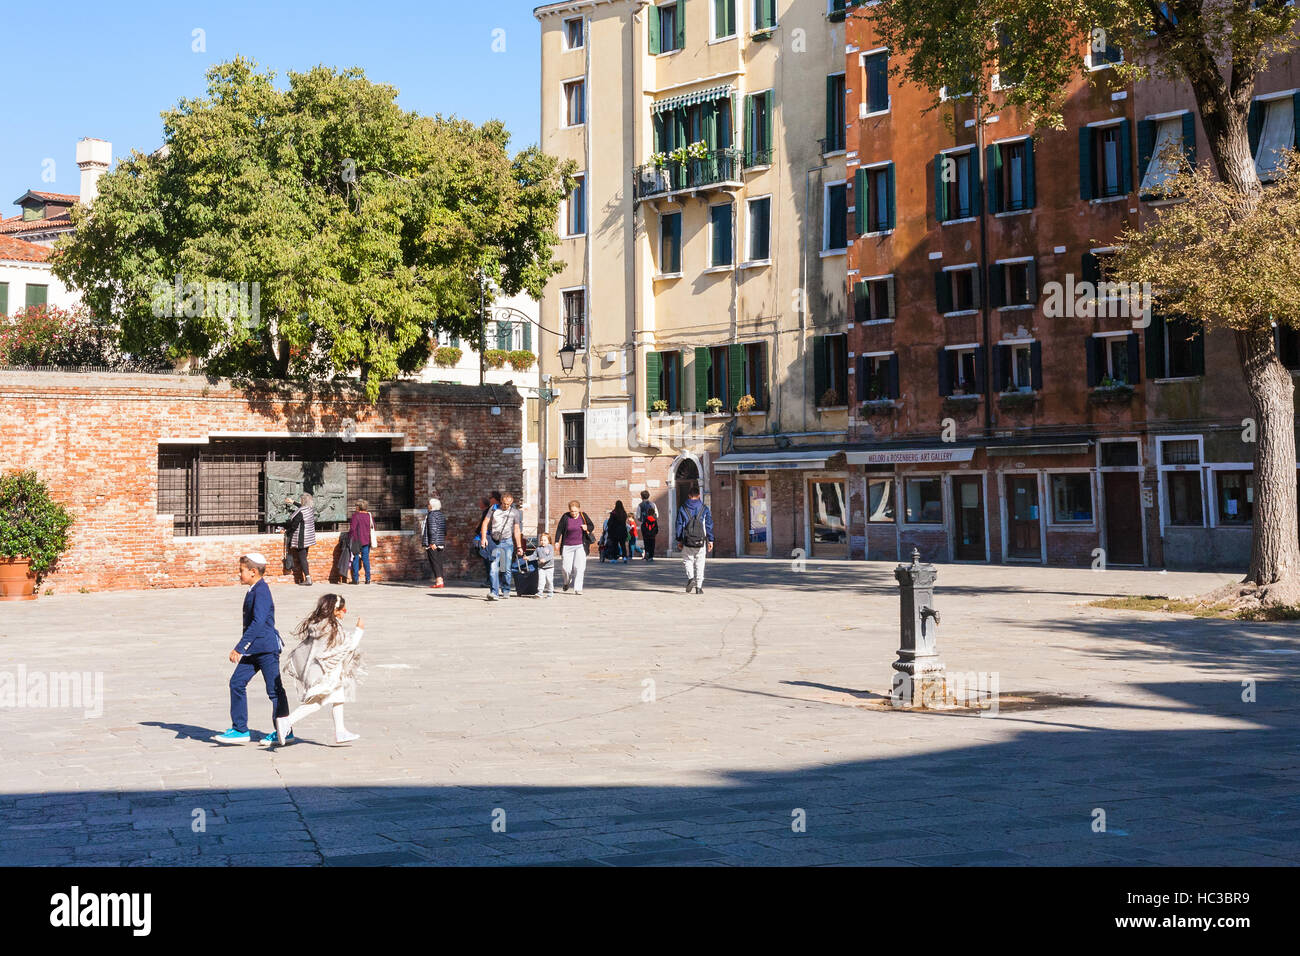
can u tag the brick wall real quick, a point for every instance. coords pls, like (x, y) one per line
(94, 439)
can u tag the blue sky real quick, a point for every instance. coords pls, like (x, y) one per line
(113, 67)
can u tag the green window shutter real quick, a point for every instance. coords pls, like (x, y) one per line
(1254, 125)
(974, 192)
(455, 341)
(997, 288)
(831, 123)
(877, 92)
(821, 368)
(735, 375)
(993, 161)
(4, 299)
(890, 217)
(676, 231)
(862, 302)
(679, 40)
(1155, 335)
(940, 190)
(659, 133)
(653, 366)
(709, 120)
(1189, 137)
(652, 26)
(861, 197)
(703, 364)
(751, 114)
(1146, 144)
(1087, 167)
(724, 17)
(943, 291)
(1125, 158)
(766, 14)
(767, 120)
(1031, 198)
(528, 336)
(36, 294)
(945, 372)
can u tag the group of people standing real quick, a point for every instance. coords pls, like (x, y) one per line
(622, 531)
(300, 535)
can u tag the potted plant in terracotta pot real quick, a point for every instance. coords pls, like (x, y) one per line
(33, 534)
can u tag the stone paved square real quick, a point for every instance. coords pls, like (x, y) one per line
(767, 695)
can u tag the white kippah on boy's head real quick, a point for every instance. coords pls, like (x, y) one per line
(256, 557)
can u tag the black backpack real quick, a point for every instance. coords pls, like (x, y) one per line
(695, 536)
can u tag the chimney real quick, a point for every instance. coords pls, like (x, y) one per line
(93, 159)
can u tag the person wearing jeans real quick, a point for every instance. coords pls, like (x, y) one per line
(503, 530)
(360, 528)
(574, 536)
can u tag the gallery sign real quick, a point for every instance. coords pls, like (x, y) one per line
(909, 456)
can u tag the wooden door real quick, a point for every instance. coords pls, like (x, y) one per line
(1123, 517)
(968, 505)
(753, 504)
(1023, 517)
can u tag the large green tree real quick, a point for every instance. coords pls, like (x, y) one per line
(1219, 48)
(366, 228)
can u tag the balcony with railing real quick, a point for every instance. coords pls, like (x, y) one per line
(715, 169)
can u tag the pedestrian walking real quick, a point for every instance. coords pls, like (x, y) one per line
(647, 516)
(574, 534)
(300, 534)
(616, 529)
(433, 535)
(503, 534)
(633, 545)
(694, 533)
(361, 538)
(326, 666)
(545, 555)
(258, 652)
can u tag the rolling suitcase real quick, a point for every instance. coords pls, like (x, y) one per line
(525, 577)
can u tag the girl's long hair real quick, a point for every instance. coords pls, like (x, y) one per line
(311, 625)
(618, 514)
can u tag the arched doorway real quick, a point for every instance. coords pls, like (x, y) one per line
(685, 475)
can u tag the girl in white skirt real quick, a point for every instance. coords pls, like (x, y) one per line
(326, 666)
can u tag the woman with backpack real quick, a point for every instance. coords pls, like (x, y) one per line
(574, 536)
(648, 518)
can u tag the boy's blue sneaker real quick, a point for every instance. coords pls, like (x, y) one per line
(273, 738)
(232, 736)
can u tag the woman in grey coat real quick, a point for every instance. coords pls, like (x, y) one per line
(301, 535)
(433, 535)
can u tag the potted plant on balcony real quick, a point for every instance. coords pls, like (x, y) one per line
(495, 358)
(659, 406)
(446, 356)
(33, 534)
(830, 399)
(521, 360)
(713, 406)
(747, 405)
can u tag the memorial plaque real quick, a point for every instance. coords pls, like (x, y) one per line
(325, 481)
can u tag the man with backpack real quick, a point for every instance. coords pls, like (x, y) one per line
(694, 533)
(647, 517)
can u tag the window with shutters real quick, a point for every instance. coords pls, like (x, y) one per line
(664, 380)
(1019, 368)
(37, 295)
(1162, 147)
(830, 370)
(573, 36)
(1009, 73)
(721, 251)
(1012, 284)
(719, 362)
(835, 10)
(835, 228)
(724, 19)
(1235, 497)
(574, 427)
(1108, 161)
(670, 244)
(759, 108)
(575, 318)
(1115, 360)
(1184, 349)
(1011, 176)
(575, 102)
(1071, 499)
(764, 15)
(878, 375)
(874, 199)
(835, 129)
(575, 213)
(957, 289)
(754, 375)
(1272, 128)
(962, 371)
(875, 88)
(1102, 54)
(957, 185)
(873, 299)
(668, 27)
(759, 216)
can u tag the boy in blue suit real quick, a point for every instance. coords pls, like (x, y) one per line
(258, 650)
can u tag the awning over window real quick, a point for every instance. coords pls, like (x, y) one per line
(690, 99)
(766, 461)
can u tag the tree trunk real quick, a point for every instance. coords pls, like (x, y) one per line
(1275, 545)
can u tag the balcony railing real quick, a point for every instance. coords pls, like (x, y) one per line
(758, 157)
(717, 166)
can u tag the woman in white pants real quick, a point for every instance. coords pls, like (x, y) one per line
(327, 672)
(574, 535)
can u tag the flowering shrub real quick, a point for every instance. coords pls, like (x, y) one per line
(50, 335)
(446, 356)
(495, 358)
